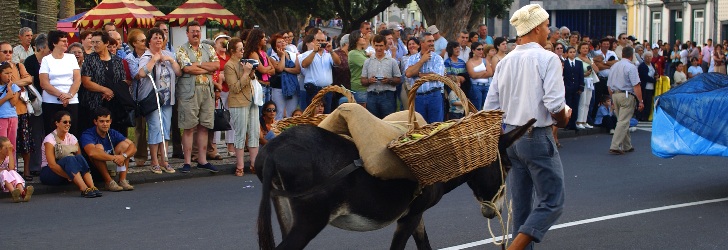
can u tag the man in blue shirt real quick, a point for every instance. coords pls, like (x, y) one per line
(104, 145)
(429, 102)
(484, 38)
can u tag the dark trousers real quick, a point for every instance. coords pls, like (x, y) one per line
(175, 134)
(381, 104)
(572, 99)
(312, 90)
(38, 133)
(70, 164)
(647, 95)
(50, 109)
(600, 90)
(608, 122)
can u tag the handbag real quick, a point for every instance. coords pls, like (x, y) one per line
(36, 100)
(63, 151)
(24, 98)
(222, 118)
(148, 104)
(257, 92)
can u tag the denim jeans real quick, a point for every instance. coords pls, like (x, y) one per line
(381, 104)
(430, 106)
(536, 168)
(327, 99)
(303, 99)
(361, 96)
(478, 93)
(70, 164)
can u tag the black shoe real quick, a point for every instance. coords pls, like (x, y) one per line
(185, 168)
(629, 150)
(97, 192)
(88, 193)
(208, 166)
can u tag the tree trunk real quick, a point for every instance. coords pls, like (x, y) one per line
(67, 9)
(450, 16)
(47, 16)
(11, 14)
(276, 20)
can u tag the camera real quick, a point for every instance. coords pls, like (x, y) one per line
(323, 45)
(588, 68)
(251, 61)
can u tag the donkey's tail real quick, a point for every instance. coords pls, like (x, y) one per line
(265, 231)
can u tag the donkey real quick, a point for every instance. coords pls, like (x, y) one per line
(296, 170)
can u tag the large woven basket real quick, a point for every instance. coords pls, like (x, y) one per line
(469, 143)
(308, 116)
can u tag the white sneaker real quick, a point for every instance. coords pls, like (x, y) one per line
(632, 129)
(611, 131)
(588, 126)
(579, 126)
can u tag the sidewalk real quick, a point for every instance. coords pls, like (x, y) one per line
(139, 175)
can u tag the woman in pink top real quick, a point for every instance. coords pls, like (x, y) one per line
(255, 49)
(71, 168)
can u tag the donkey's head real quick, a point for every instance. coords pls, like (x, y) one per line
(488, 182)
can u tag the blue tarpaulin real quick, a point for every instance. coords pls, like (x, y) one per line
(692, 119)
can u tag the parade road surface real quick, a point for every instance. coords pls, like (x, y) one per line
(632, 201)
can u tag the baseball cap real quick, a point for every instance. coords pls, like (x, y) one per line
(432, 29)
(394, 26)
(631, 38)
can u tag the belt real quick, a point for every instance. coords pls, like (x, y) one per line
(429, 91)
(379, 92)
(202, 84)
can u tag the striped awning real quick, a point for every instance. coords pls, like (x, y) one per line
(149, 7)
(123, 13)
(202, 11)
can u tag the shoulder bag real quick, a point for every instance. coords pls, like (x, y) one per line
(222, 118)
(61, 150)
(257, 92)
(149, 103)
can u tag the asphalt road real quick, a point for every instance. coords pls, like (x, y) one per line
(612, 202)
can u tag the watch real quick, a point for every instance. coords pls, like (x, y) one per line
(125, 156)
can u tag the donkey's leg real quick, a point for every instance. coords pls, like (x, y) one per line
(420, 236)
(284, 214)
(405, 228)
(306, 225)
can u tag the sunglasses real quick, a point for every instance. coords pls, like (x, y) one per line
(7, 51)
(270, 110)
(66, 122)
(479, 49)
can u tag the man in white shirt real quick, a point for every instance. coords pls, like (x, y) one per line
(319, 64)
(24, 50)
(684, 54)
(528, 83)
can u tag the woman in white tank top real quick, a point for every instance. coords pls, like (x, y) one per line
(480, 73)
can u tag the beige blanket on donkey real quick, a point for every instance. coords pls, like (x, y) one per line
(371, 136)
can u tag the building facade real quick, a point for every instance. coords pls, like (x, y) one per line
(595, 18)
(672, 20)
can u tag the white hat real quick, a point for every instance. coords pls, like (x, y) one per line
(528, 17)
(655, 46)
(432, 29)
(221, 36)
(394, 26)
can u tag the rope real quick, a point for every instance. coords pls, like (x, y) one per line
(502, 191)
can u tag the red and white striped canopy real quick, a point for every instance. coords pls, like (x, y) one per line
(123, 13)
(203, 10)
(149, 7)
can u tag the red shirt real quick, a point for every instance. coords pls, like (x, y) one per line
(216, 76)
(659, 63)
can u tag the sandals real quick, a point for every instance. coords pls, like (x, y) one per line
(239, 172)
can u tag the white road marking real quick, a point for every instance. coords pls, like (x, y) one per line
(592, 220)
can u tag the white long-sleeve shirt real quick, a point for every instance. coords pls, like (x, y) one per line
(527, 83)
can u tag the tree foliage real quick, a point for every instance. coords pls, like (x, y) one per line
(488, 9)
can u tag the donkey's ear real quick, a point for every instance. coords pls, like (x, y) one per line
(509, 138)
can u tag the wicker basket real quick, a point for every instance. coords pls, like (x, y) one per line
(467, 144)
(308, 116)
